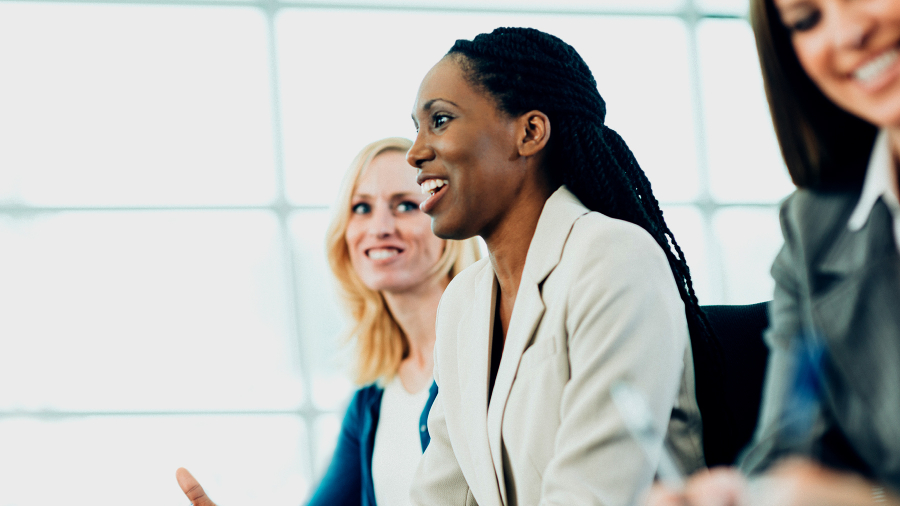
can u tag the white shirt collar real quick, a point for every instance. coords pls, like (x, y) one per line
(880, 182)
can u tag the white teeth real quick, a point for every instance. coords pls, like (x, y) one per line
(381, 254)
(874, 68)
(431, 185)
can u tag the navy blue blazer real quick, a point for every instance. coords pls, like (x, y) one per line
(348, 481)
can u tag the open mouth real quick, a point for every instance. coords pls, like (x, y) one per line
(433, 186)
(382, 253)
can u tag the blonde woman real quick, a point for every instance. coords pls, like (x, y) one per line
(391, 271)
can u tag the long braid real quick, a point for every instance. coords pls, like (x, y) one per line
(525, 69)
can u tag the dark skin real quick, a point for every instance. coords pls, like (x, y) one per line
(192, 489)
(494, 165)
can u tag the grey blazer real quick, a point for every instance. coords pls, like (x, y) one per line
(843, 287)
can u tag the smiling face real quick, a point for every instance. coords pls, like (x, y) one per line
(389, 239)
(851, 51)
(466, 153)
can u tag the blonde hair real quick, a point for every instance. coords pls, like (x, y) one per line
(380, 343)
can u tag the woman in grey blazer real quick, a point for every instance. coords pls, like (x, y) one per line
(585, 286)
(832, 394)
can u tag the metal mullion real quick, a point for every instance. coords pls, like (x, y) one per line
(704, 202)
(308, 411)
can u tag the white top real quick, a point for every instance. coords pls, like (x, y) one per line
(880, 182)
(398, 446)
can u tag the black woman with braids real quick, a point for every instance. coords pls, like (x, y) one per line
(584, 286)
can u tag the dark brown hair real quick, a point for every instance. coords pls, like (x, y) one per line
(824, 146)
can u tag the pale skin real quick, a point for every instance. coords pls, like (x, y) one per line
(389, 197)
(836, 40)
(848, 49)
(385, 217)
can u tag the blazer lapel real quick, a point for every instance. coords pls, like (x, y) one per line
(560, 212)
(473, 352)
(526, 316)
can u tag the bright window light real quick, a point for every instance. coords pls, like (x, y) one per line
(109, 105)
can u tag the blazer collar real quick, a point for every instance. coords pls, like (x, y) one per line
(852, 250)
(880, 183)
(560, 212)
(473, 351)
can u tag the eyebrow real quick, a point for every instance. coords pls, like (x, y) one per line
(393, 197)
(429, 104)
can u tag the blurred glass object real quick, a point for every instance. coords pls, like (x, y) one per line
(744, 159)
(128, 105)
(140, 311)
(345, 94)
(101, 460)
(748, 238)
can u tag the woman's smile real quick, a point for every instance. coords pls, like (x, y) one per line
(465, 150)
(851, 51)
(878, 71)
(435, 189)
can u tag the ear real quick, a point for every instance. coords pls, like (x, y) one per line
(533, 131)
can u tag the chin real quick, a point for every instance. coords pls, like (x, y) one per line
(446, 231)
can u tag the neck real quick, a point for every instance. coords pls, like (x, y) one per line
(415, 312)
(509, 241)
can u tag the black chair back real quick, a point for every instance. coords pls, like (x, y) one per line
(740, 330)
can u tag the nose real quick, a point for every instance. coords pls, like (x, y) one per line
(383, 222)
(852, 27)
(419, 153)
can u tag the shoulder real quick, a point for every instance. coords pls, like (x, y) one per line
(364, 398)
(811, 218)
(600, 243)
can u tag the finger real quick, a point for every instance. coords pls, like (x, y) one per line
(721, 486)
(192, 488)
(660, 495)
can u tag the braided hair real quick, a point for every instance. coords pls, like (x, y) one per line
(524, 69)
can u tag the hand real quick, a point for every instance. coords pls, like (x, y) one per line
(793, 482)
(801, 482)
(192, 488)
(720, 486)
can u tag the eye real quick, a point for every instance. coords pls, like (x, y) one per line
(439, 119)
(361, 208)
(805, 22)
(407, 206)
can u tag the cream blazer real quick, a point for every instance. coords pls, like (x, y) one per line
(597, 303)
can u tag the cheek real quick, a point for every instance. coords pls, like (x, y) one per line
(352, 237)
(815, 61)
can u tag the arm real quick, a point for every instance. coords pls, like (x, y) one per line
(789, 304)
(625, 321)
(342, 483)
